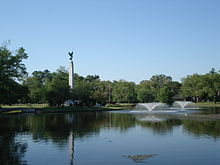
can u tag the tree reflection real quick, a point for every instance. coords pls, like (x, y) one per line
(121, 121)
(203, 128)
(161, 126)
(62, 129)
(11, 150)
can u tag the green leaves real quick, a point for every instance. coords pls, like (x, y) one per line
(160, 88)
(11, 69)
(165, 95)
(11, 66)
(202, 87)
(124, 91)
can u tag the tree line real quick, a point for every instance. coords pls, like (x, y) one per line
(52, 87)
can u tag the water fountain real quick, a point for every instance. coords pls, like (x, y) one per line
(183, 104)
(160, 108)
(148, 106)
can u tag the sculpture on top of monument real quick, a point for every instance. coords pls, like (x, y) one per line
(71, 55)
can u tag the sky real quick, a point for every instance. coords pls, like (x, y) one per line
(115, 39)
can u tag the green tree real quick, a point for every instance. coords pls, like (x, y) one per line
(202, 87)
(144, 92)
(165, 95)
(124, 91)
(211, 85)
(57, 89)
(82, 91)
(36, 85)
(192, 87)
(84, 88)
(160, 80)
(11, 71)
(102, 93)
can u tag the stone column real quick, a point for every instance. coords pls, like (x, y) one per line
(71, 74)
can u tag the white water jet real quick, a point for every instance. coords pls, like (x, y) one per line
(183, 104)
(148, 106)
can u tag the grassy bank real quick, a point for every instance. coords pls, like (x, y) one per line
(45, 108)
(208, 104)
(25, 106)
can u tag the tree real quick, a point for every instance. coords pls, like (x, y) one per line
(165, 95)
(202, 87)
(82, 91)
(11, 71)
(144, 92)
(84, 88)
(160, 80)
(57, 88)
(124, 91)
(211, 86)
(11, 66)
(192, 88)
(36, 85)
(91, 78)
(102, 93)
(159, 88)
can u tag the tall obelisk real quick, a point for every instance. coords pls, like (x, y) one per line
(71, 71)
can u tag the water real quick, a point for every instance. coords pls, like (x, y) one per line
(183, 104)
(157, 105)
(148, 106)
(108, 138)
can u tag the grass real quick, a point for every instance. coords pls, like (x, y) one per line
(26, 106)
(120, 106)
(12, 112)
(208, 104)
(108, 106)
(17, 108)
(91, 108)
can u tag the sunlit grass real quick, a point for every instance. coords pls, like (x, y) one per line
(12, 112)
(25, 106)
(208, 104)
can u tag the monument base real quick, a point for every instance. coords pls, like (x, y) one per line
(71, 103)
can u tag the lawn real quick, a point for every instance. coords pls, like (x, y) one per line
(208, 104)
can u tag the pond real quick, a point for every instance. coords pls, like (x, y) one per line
(109, 138)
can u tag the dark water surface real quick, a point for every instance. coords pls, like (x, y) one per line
(98, 138)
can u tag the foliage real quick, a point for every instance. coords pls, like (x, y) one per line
(202, 87)
(144, 92)
(11, 66)
(165, 95)
(57, 88)
(159, 88)
(11, 71)
(53, 88)
(160, 80)
(36, 85)
(102, 93)
(124, 91)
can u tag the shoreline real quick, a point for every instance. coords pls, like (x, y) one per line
(56, 110)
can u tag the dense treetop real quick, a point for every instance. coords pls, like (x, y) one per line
(52, 87)
(11, 70)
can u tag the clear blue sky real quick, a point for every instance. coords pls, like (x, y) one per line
(116, 39)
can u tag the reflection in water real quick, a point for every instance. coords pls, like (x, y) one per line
(203, 128)
(11, 150)
(149, 118)
(71, 147)
(63, 129)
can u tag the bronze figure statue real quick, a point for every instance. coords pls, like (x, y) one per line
(71, 55)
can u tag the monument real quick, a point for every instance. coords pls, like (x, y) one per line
(71, 102)
(71, 70)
